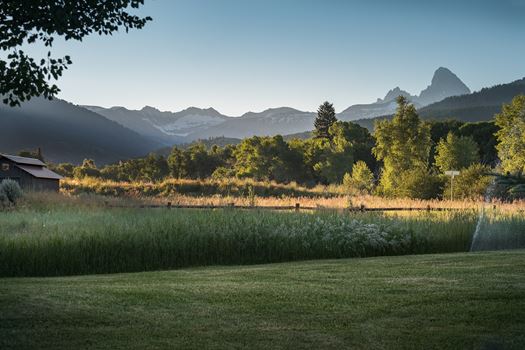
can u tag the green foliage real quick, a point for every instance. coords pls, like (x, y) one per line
(87, 169)
(64, 169)
(511, 136)
(456, 153)
(358, 138)
(471, 183)
(403, 144)
(10, 191)
(27, 22)
(324, 120)
(419, 183)
(154, 168)
(197, 161)
(484, 134)
(223, 173)
(517, 192)
(266, 158)
(509, 187)
(361, 180)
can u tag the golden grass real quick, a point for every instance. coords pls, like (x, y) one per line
(226, 192)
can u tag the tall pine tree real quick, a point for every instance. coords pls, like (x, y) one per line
(324, 120)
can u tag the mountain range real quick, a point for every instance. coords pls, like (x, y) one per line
(68, 132)
(194, 123)
(444, 84)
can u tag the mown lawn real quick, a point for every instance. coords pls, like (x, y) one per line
(454, 301)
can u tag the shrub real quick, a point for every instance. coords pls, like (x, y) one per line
(3, 198)
(471, 183)
(361, 180)
(10, 190)
(420, 184)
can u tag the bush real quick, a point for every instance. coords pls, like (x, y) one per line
(361, 180)
(471, 183)
(420, 184)
(3, 198)
(10, 191)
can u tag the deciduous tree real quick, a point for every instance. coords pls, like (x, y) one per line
(402, 144)
(24, 22)
(456, 153)
(511, 136)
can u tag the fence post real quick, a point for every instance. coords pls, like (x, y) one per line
(169, 205)
(362, 207)
(297, 206)
(428, 208)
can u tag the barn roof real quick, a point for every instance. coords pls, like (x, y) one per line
(39, 172)
(23, 160)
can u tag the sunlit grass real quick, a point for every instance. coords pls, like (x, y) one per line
(247, 192)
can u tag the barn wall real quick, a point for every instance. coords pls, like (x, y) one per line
(27, 181)
(13, 172)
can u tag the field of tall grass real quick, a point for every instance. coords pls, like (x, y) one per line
(42, 238)
(56, 234)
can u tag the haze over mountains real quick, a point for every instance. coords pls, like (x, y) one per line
(68, 132)
(444, 84)
(194, 123)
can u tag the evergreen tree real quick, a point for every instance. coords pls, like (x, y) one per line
(324, 120)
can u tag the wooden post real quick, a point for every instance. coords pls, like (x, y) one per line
(362, 207)
(428, 208)
(297, 206)
(169, 205)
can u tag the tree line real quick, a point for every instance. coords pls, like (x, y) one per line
(404, 157)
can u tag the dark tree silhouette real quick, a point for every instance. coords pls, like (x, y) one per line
(324, 120)
(29, 21)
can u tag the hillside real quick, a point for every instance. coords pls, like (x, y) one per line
(477, 106)
(270, 122)
(166, 127)
(68, 133)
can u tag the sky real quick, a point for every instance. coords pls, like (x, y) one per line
(249, 55)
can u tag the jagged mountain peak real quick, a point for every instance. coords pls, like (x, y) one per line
(393, 94)
(444, 84)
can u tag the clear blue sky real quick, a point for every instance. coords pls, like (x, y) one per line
(249, 55)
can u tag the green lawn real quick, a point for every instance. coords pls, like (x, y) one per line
(455, 301)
